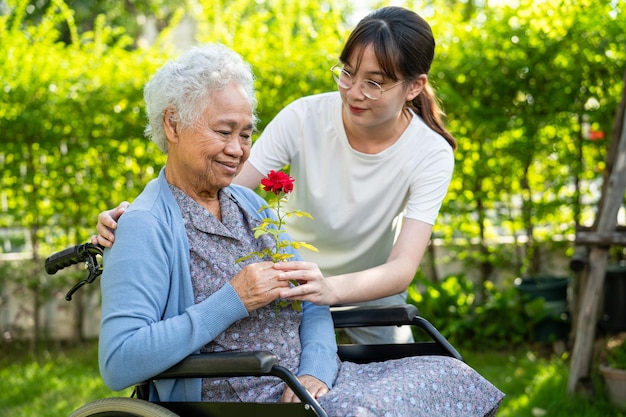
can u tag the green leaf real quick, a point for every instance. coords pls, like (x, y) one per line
(298, 245)
(298, 213)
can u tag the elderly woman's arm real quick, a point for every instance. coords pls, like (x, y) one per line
(149, 319)
(318, 361)
(319, 346)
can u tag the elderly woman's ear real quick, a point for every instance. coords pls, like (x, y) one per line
(170, 125)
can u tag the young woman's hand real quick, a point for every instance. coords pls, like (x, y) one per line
(313, 287)
(107, 223)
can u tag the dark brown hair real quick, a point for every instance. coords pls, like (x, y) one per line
(404, 45)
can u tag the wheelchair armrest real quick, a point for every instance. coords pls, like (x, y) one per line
(407, 314)
(222, 364)
(360, 316)
(237, 364)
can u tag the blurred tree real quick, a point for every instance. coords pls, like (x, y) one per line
(132, 15)
(516, 83)
(291, 45)
(71, 120)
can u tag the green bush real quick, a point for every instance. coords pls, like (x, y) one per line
(499, 321)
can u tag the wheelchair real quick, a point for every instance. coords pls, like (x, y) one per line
(260, 363)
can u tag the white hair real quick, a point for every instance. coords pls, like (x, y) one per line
(185, 84)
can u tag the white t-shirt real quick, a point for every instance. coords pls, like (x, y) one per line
(357, 200)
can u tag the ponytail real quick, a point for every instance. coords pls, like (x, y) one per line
(426, 106)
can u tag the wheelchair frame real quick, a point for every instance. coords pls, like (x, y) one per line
(259, 363)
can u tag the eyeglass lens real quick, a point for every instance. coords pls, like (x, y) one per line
(370, 89)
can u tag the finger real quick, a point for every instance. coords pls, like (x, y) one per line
(102, 229)
(104, 234)
(104, 242)
(306, 272)
(263, 266)
(314, 386)
(319, 391)
(288, 396)
(298, 276)
(270, 277)
(119, 210)
(293, 266)
(109, 219)
(298, 292)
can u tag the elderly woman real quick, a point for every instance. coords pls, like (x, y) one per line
(173, 285)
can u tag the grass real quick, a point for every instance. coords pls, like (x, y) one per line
(51, 382)
(55, 380)
(536, 385)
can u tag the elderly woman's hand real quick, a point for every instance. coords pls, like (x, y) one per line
(315, 387)
(257, 285)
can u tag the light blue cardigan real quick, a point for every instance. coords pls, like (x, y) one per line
(149, 319)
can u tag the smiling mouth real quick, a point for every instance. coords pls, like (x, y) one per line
(229, 166)
(356, 109)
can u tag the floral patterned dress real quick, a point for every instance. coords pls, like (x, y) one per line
(416, 386)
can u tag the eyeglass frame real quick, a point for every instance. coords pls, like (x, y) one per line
(361, 85)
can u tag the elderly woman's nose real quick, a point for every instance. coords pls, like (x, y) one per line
(234, 146)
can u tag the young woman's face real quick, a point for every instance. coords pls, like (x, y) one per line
(363, 111)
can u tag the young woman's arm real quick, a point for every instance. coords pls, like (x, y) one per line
(392, 277)
(249, 177)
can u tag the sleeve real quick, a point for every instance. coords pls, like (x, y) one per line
(139, 335)
(429, 186)
(319, 345)
(278, 143)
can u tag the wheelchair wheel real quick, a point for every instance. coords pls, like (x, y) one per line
(122, 407)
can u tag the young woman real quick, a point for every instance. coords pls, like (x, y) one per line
(372, 164)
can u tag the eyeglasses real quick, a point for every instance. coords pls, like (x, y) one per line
(370, 89)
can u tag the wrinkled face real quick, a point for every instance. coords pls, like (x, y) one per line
(206, 157)
(363, 111)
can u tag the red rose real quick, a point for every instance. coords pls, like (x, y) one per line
(277, 182)
(280, 184)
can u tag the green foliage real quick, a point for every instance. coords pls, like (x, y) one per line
(73, 113)
(615, 354)
(275, 228)
(72, 99)
(291, 45)
(131, 15)
(499, 322)
(519, 85)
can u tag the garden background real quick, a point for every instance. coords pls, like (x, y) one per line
(530, 89)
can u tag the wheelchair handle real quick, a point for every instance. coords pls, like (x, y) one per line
(85, 252)
(71, 256)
